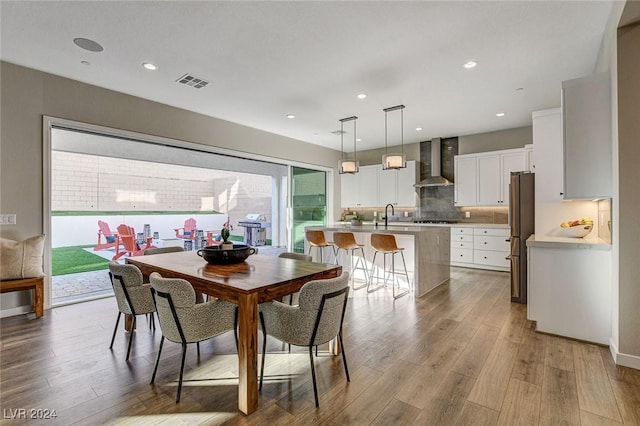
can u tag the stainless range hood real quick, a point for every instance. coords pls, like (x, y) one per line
(436, 158)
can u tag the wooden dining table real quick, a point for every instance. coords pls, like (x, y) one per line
(257, 280)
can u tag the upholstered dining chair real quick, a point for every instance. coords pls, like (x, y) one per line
(296, 256)
(183, 321)
(160, 250)
(132, 296)
(315, 321)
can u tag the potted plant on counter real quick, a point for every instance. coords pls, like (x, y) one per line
(356, 219)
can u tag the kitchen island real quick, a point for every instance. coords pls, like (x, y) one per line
(426, 250)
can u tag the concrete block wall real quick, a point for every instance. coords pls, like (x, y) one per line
(94, 183)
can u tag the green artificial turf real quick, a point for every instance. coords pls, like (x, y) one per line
(72, 260)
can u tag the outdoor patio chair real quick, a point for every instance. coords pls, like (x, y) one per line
(188, 231)
(133, 297)
(110, 239)
(127, 237)
(184, 321)
(315, 321)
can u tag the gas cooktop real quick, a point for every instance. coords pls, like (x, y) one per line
(434, 221)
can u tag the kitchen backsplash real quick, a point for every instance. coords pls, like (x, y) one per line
(436, 202)
(604, 220)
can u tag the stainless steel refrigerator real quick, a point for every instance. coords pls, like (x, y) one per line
(521, 220)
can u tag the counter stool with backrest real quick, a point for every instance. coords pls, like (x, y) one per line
(318, 239)
(386, 244)
(347, 241)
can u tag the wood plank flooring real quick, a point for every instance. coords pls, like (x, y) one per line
(461, 355)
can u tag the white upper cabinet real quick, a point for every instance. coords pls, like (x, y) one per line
(483, 179)
(489, 180)
(547, 142)
(374, 187)
(586, 113)
(530, 160)
(360, 189)
(465, 180)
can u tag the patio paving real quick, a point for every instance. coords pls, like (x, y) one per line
(74, 288)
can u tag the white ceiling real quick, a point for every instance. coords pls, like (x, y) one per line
(265, 59)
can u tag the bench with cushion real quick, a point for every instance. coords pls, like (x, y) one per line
(36, 284)
(21, 268)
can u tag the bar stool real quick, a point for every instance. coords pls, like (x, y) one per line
(386, 244)
(317, 239)
(347, 242)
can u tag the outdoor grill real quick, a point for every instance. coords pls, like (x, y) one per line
(255, 232)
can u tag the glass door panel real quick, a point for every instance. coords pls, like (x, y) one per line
(308, 203)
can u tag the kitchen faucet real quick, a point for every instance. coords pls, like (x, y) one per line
(386, 214)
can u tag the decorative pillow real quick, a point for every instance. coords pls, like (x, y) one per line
(21, 259)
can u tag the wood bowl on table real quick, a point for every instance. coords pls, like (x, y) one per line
(578, 231)
(215, 255)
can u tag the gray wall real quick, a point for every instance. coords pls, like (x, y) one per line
(495, 141)
(29, 94)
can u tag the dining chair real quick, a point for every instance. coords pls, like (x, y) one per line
(132, 296)
(295, 256)
(160, 250)
(315, 321)
(184, 321)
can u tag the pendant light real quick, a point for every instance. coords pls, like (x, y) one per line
(346, 165)
(394, 161)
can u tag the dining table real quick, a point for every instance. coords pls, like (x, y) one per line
(256, 280)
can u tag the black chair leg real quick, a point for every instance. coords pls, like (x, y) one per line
(264, 349)
(155, 369)
(313, 376)
(115, 329)
(133, 327)
(184, 355)
(198, 346)
(344, 357)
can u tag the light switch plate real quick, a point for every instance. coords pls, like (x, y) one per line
(7, 219)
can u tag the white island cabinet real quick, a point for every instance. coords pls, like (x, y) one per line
(569, 287)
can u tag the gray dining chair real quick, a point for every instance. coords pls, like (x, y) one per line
(132, 296)
(293, 298)
(160, 250)
(184, 321)
(315, 321)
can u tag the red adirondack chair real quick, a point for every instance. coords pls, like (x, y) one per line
(110, 239)
(127, 237)
(188, 231)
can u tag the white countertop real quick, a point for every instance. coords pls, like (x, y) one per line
(447, 225)
(568, 243)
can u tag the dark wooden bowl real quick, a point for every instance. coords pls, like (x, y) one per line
(214, 255)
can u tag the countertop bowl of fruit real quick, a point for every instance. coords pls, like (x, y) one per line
(577, 228)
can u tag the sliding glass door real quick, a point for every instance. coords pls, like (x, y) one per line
(308, 203)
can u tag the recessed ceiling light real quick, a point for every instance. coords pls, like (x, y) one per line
(358, 140)
(362, 95)
(86, 44)
(291, 116)
(149, 66)
(519, 89)
(85, 62)
(500, 114)
(418, 129)
(470, 64)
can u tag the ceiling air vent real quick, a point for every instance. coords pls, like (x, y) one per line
(193, 81)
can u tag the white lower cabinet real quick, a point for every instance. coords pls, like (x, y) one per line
(483, 248)
(569, 291)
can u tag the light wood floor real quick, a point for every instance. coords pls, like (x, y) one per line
(462, 355)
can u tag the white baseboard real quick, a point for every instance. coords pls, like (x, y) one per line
(625, 360)
(12, 312)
